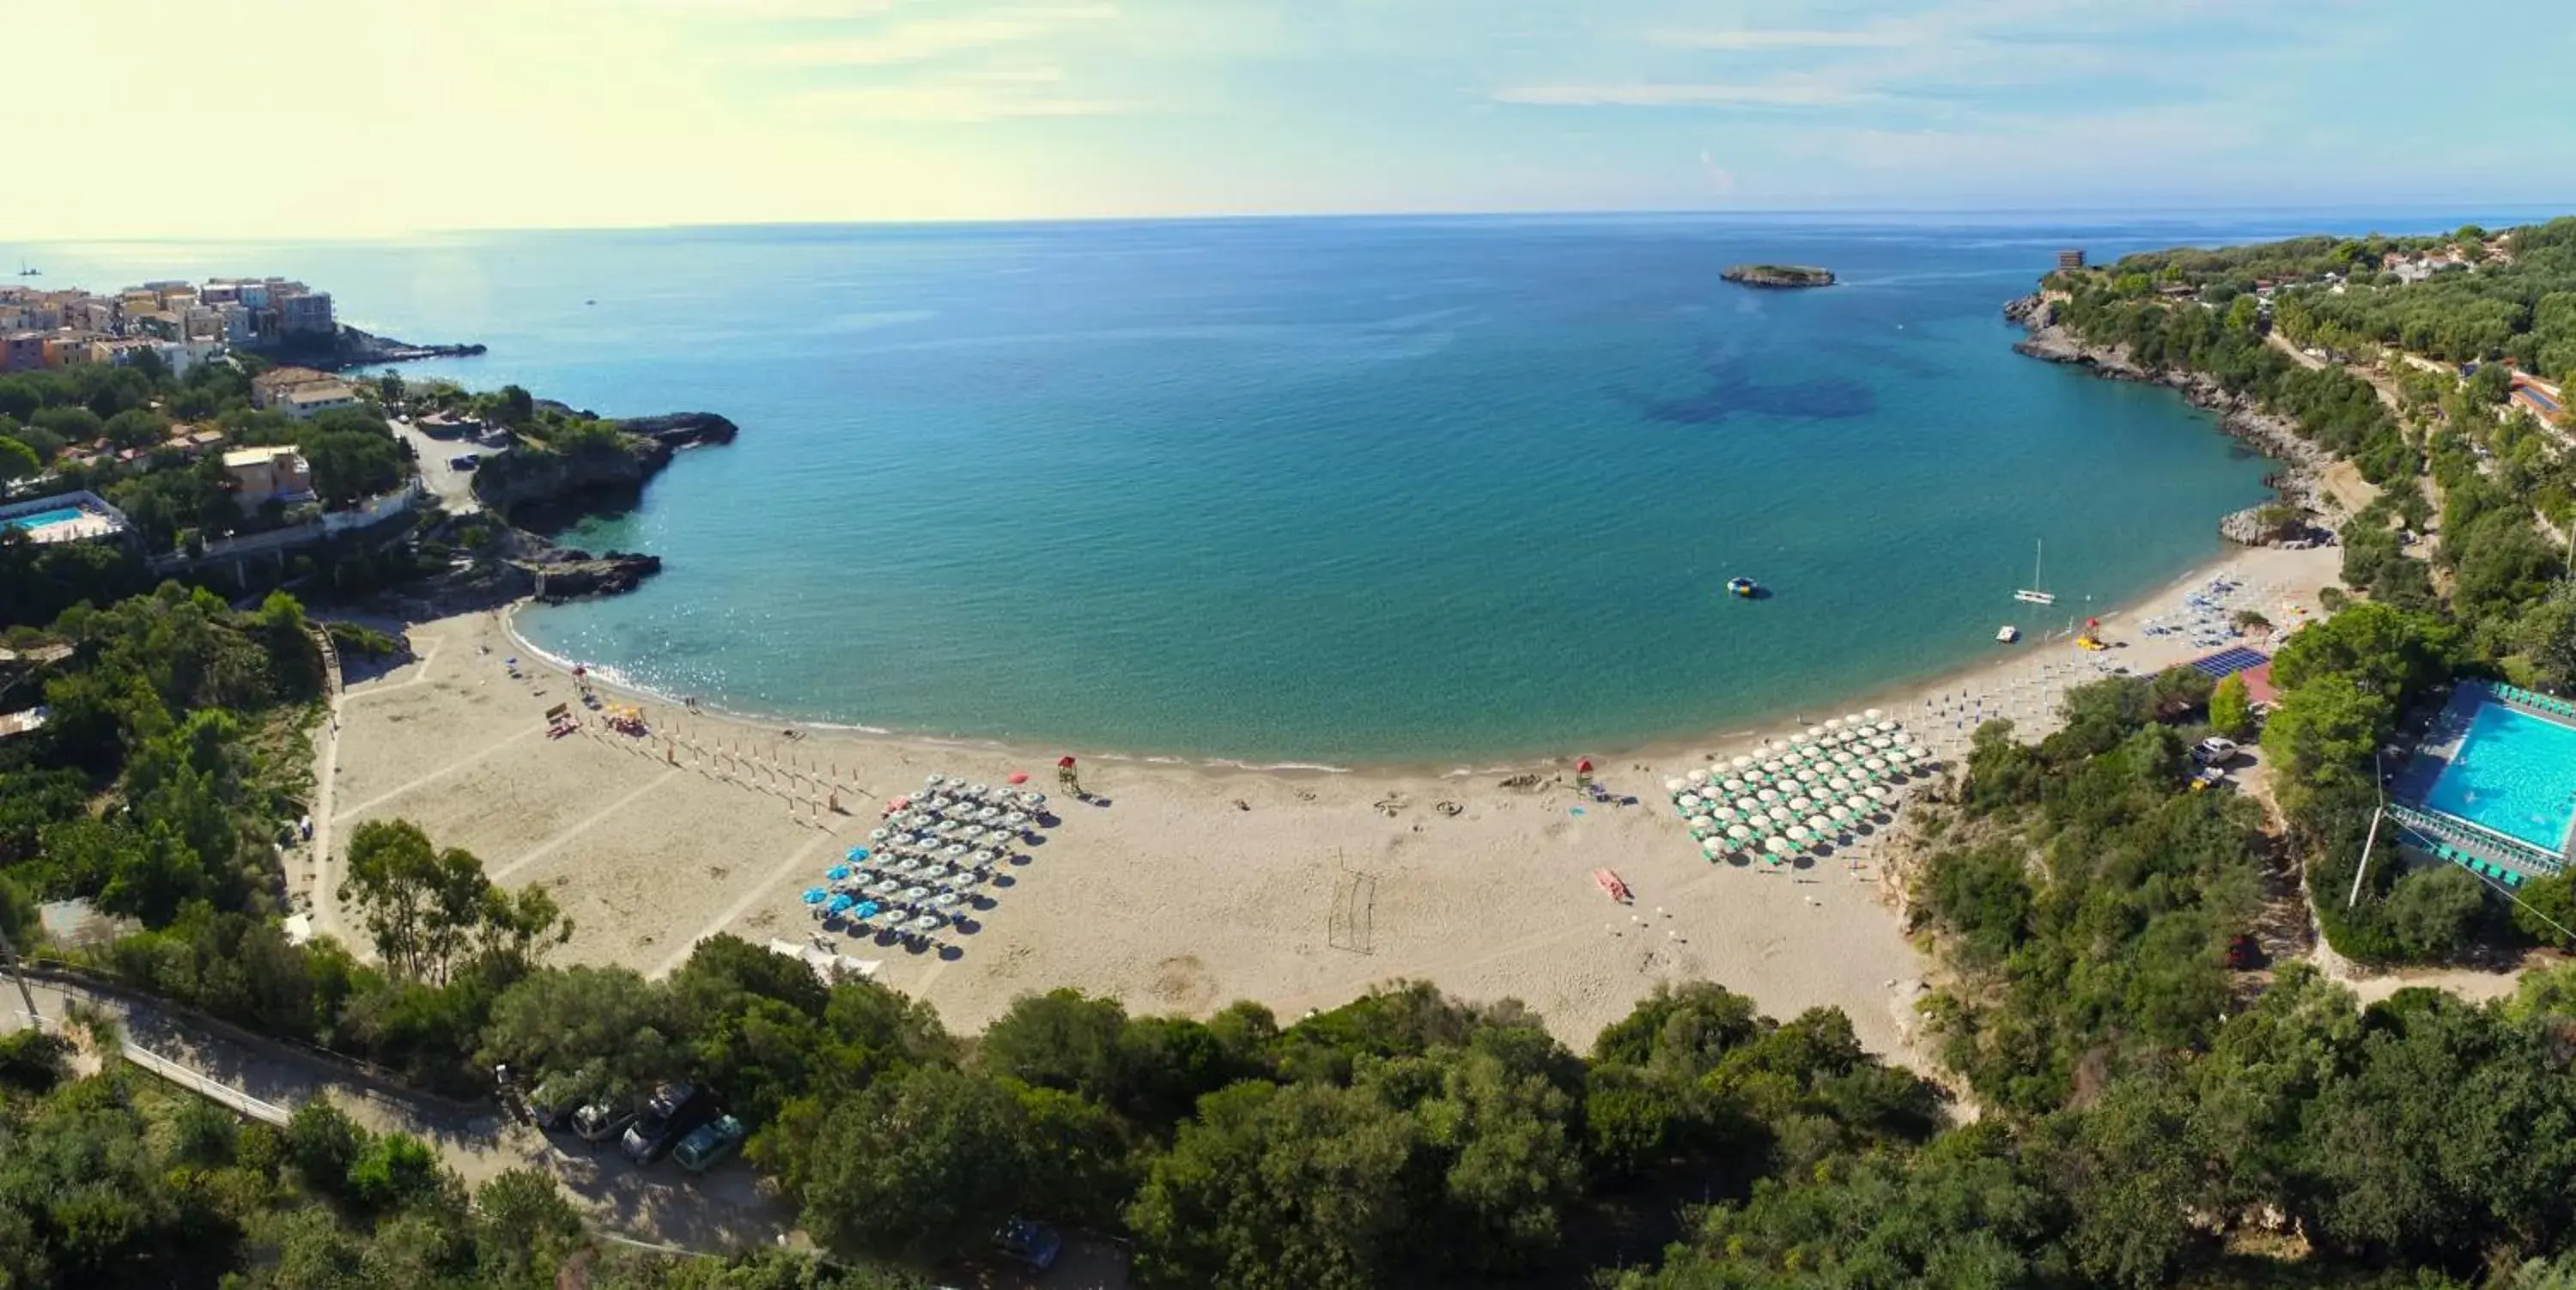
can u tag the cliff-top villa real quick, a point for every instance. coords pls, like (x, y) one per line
(264, 475)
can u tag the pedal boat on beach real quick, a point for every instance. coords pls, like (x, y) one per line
(2007, 634)
(1743, 588)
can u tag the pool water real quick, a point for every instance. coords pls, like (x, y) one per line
(42, 518)
(2516, 774)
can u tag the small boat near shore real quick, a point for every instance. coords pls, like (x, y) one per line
(2007, 634)
(1743, 588)
(2032, 594)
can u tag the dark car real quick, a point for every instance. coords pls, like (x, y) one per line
(464, 461)
(1035, 1244)
(675, 1111)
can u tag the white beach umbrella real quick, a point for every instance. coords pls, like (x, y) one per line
(1688, 802)
(1774, 845)
(1833, 723)
(1702, 823)
(1806, 777)
(1796, 738)
(1820, 825)
(1738, 832)
(1844, 759)
(1741, 761)
(1873, 714)
(1860, 805)
(1799, 805)
(1876, 793)
(1712, 848)
(1675, 785)
(1733, 785)
(1874, 763)
(1771, 768)
(1841, 814)
(1779, 814)
(1798, 834)
(1839, 784)
(1697, 777)
(1815, 732)
(1901, 737)
(1767, 794)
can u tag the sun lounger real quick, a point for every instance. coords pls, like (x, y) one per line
(1612, 887)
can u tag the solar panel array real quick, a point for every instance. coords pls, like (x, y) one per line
(2229, 662)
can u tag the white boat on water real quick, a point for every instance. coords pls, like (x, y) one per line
(2032, 595)
(2007, 634)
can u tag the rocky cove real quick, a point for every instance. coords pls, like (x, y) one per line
(539, 489)
(2300, 481)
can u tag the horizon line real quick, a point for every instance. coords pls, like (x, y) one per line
(2129, 214)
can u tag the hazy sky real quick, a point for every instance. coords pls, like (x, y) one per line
(325, 117)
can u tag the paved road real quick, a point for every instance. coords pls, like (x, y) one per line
(720, 1211)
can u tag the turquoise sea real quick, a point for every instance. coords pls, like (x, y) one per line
(1313, 490)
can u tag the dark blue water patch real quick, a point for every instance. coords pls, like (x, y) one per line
(1731, 388)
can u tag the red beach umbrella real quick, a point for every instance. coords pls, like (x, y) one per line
(1583, 764)
(1063, 762)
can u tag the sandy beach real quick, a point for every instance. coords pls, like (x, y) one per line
(1183, 887)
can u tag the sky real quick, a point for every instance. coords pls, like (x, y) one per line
(321, 118)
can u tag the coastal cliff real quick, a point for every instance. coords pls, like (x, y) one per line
(549, 484)
(2298, 482)
(1778, 275)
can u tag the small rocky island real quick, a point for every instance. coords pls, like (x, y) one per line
(1779, 275)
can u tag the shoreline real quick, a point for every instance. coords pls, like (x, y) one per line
(1892, 695)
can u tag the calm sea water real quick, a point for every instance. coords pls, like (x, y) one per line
(1312, 490)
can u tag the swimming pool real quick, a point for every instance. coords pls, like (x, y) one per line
(2514, 773)
(42, 518)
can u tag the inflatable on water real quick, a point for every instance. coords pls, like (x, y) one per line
(1743, 587)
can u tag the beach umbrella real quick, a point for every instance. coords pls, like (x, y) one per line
(1876, 793)
(1841, 814)
(868, 909)
(1860, 805)
(1806, 777)
(1774, 845)
(1796, 805)
(1819, 825)
(1766, 794)
(1738, 832)
(1839, 784)
(1675, 785)
(1733, 785)
(1688, 801)
(1771, 767)
(1874, 764)
(837, 872)
(815, 895)
(1833, 723)
(1815, 732)
(1697, 777)
(1873, 714)
(1798, 834)
(1902, 737)
(1778, 814)
(1844, 759)
(879, 835)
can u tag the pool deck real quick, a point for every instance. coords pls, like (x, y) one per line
(2436, 747)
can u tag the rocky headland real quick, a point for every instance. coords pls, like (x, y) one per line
(543, 486)
(2298, 482)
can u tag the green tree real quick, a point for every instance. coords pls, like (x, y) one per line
(18, 461)
(925, 1165)
(2231, 711)
(2435, 911)
(2545, 910)
(1297, 1186)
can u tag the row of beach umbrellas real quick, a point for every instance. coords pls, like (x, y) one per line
(916, 870)
(1801, 792)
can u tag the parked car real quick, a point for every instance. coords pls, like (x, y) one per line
(709, 1143)
(598, 1122)
(2214, 751)
(675, 1112)
(1035, 1244)
(551, 1106)
(2209, 777)
(464, 461)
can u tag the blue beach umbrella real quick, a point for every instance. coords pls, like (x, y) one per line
(838, 904)
(869, 909)
(815, 895)
(837, 872)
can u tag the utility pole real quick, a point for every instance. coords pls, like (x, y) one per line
(9, 956)
(2379, 785)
